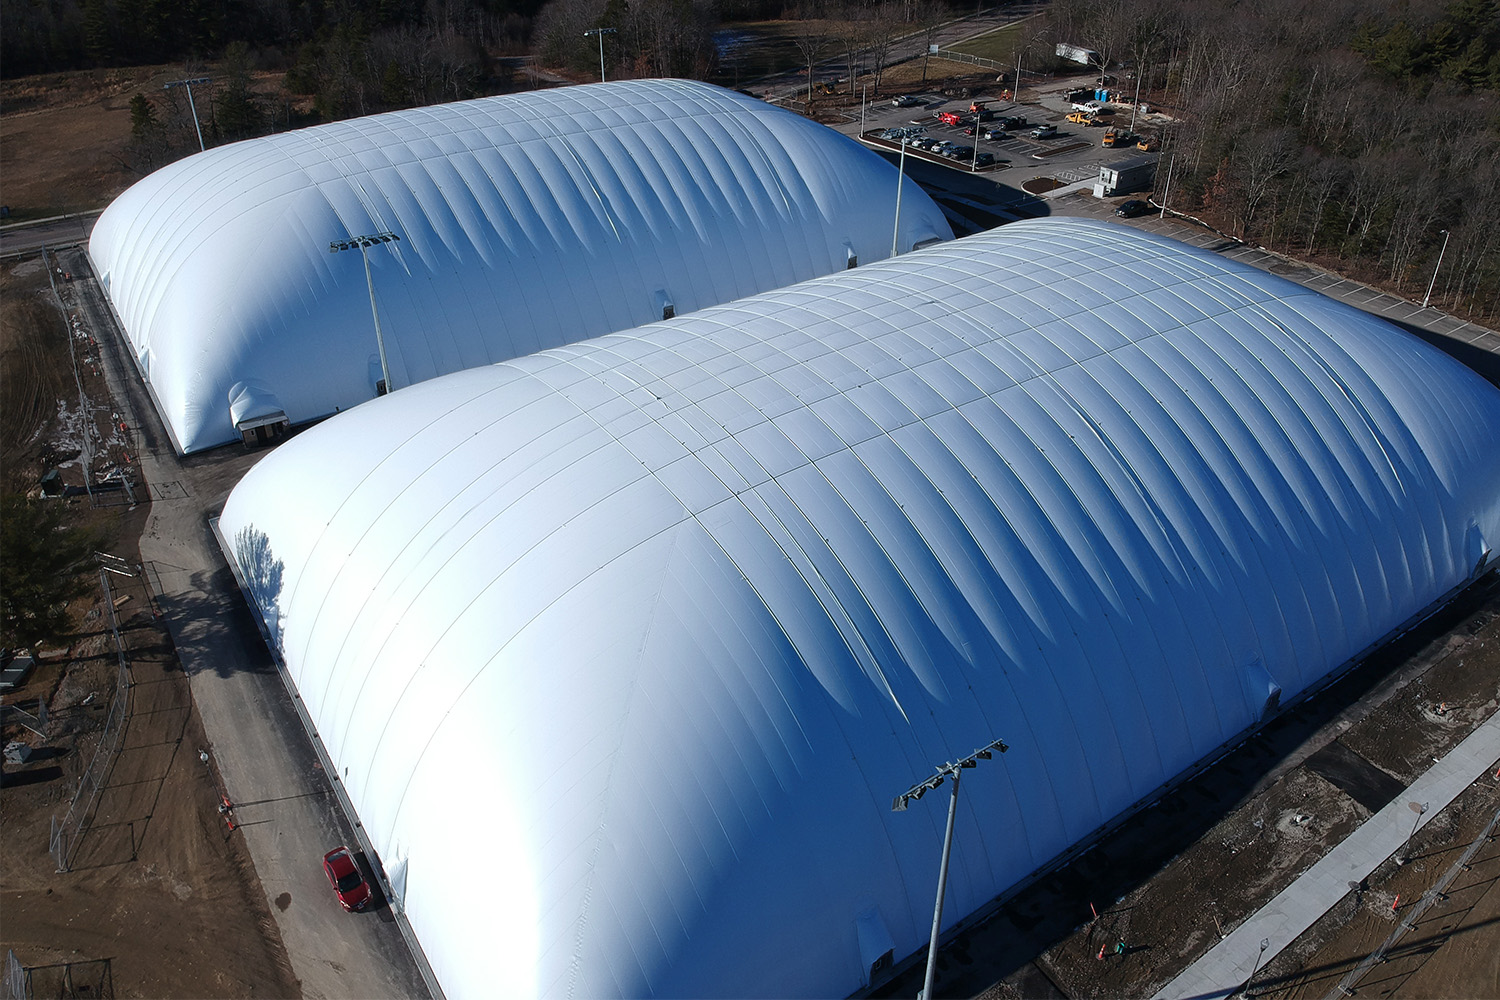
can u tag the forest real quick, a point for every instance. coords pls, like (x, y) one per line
(1363, 135)
(1360, 135)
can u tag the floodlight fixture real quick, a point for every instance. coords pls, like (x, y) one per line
(600, 32)
(954, 769)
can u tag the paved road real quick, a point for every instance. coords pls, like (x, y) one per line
(793, 82)
(287, 810)
(28, 237)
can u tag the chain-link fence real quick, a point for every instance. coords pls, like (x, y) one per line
(67, 831)
(13, 983)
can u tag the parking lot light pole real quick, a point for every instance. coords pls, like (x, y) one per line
(1428, 297)
(952, 770)
(900, 178)
(364, 243)
(600, 32)
(1168, 189)
(191, 106)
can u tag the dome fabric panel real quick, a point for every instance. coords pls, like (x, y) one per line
(685, 607)
(524, 222)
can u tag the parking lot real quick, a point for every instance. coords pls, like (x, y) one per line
(1027, 140)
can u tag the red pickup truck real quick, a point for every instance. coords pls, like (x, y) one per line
(950, 118)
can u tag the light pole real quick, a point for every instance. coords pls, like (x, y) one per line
(1420, 808)
(1428, 297)
(1168, 189)
(364, 242)
(900, 177)
(1136, 106)
(601, 32)
(1264, 944)
(191, 106)
(953, 769)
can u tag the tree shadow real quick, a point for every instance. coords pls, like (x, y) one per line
(262, 575)
(213, 629)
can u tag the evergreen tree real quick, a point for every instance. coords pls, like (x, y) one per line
(44, 563)
(143, 123)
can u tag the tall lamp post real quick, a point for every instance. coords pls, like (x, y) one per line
(601, 32)
(191, 106)
(1428, 297)
(900, 178)
(364, 243)
(953, 769)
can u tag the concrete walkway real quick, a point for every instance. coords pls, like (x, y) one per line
(1231, 963)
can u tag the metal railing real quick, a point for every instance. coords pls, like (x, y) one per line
(954, 56)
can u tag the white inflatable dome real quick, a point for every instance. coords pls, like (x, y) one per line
(520, 223)
(661, 622)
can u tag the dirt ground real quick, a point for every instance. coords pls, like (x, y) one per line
(161, 899)
(63, 136)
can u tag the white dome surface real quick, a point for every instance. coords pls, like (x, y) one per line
(660, 623)
(524, 222)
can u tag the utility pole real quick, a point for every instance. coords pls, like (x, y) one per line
(601, 32)
(191, 106)
(953, 770)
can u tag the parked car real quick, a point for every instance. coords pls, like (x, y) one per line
(985, 160)
(993, 133)
(1132, 208)
(1043, 132)
(1011, 122)
(960, 153)
(905, 101)
(344, 875)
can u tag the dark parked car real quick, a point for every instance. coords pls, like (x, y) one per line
(344, 875)
(1132, 208)
(985, 160)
